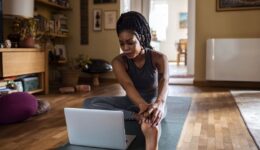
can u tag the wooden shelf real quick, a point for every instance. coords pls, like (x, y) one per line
(35, 91)
(53, 4)
(24, 61)
(53, 34)
(19, 49)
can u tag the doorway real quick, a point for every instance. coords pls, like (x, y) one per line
(172, 27)
(171, 21)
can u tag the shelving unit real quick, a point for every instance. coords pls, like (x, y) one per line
(53, 4)
(54, 14)
(53, 35)
(24, 61)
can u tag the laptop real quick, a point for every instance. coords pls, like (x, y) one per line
(97, 128)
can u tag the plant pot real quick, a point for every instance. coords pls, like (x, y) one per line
(27, 42)
(69, 77)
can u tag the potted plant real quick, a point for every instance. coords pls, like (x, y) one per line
(72, 68)
(28, 33)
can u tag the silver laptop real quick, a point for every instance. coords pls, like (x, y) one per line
(97, 128)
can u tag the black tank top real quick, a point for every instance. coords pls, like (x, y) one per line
(145, 79)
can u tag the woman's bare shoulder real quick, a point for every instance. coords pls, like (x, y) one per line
(118, 59)
(156, 55)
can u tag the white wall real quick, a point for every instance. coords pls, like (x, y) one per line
(191, 36)
(174, 33)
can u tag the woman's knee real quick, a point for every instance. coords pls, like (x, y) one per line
(148, 129)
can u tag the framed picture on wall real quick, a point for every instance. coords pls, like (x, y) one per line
(97, 20)
(104, 1)
(183, 17)
(60, 51)
(110, 19)
(223, 5)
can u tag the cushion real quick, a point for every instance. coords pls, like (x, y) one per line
(16, 107)
(98, 66)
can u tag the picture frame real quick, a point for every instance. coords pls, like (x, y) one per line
(183, 20)
(97, 19)
(110, 19)
(225, 5)
(60, 51)
(103, 1)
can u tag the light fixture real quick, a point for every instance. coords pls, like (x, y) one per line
(18, 8)
(22, 11)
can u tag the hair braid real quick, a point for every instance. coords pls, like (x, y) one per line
(135, 22)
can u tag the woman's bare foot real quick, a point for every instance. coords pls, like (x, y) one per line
(151, 135)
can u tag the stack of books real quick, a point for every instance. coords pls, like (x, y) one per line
(60, 24)
(4, 89)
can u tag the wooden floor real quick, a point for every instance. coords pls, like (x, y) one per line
(213, 122)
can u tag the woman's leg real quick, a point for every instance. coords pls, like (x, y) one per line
(152, 134)
(112, 103)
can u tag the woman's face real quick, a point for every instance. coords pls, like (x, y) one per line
(129, 44)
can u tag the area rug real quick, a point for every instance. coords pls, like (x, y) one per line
(177, 111)
(248, 103)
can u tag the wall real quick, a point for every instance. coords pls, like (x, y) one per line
(228, 24)
(102, 44)
(174, 33)
(191, 37)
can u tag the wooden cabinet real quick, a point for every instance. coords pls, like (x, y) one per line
(24, 61)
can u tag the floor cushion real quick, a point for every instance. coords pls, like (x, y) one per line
(16, 107)
(98, 66)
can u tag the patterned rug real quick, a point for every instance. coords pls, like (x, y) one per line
(248, 103)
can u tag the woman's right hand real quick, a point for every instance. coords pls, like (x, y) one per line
(144, 113)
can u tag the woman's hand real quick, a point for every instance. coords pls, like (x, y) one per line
(151, 113)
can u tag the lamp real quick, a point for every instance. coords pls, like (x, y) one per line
(21, 8)
(22, 11)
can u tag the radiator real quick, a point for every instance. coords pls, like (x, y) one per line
(233, 59)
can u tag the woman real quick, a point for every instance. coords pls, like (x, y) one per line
(143, 73)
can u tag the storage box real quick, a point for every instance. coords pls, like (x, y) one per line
(31, 83)
(19, 86)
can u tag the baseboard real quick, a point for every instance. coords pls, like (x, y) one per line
(228, 84)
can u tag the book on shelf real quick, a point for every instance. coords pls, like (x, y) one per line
(4, 91)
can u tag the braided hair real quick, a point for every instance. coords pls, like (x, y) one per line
(135, 22)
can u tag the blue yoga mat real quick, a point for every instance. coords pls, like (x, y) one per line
(177, 110)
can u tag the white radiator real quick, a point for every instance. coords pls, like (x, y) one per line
(233, 59)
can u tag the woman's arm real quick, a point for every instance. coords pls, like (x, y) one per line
(161, 63)
(124, 79)
(157, 109)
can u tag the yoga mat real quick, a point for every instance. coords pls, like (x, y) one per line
(177, 110)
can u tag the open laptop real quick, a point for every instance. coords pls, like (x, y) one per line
(97, 128)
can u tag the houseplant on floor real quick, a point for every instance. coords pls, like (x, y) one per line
(72, 68)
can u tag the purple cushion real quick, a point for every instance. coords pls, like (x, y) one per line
(16, 107)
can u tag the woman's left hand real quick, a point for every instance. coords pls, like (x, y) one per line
(154, 113)
(157, 113)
